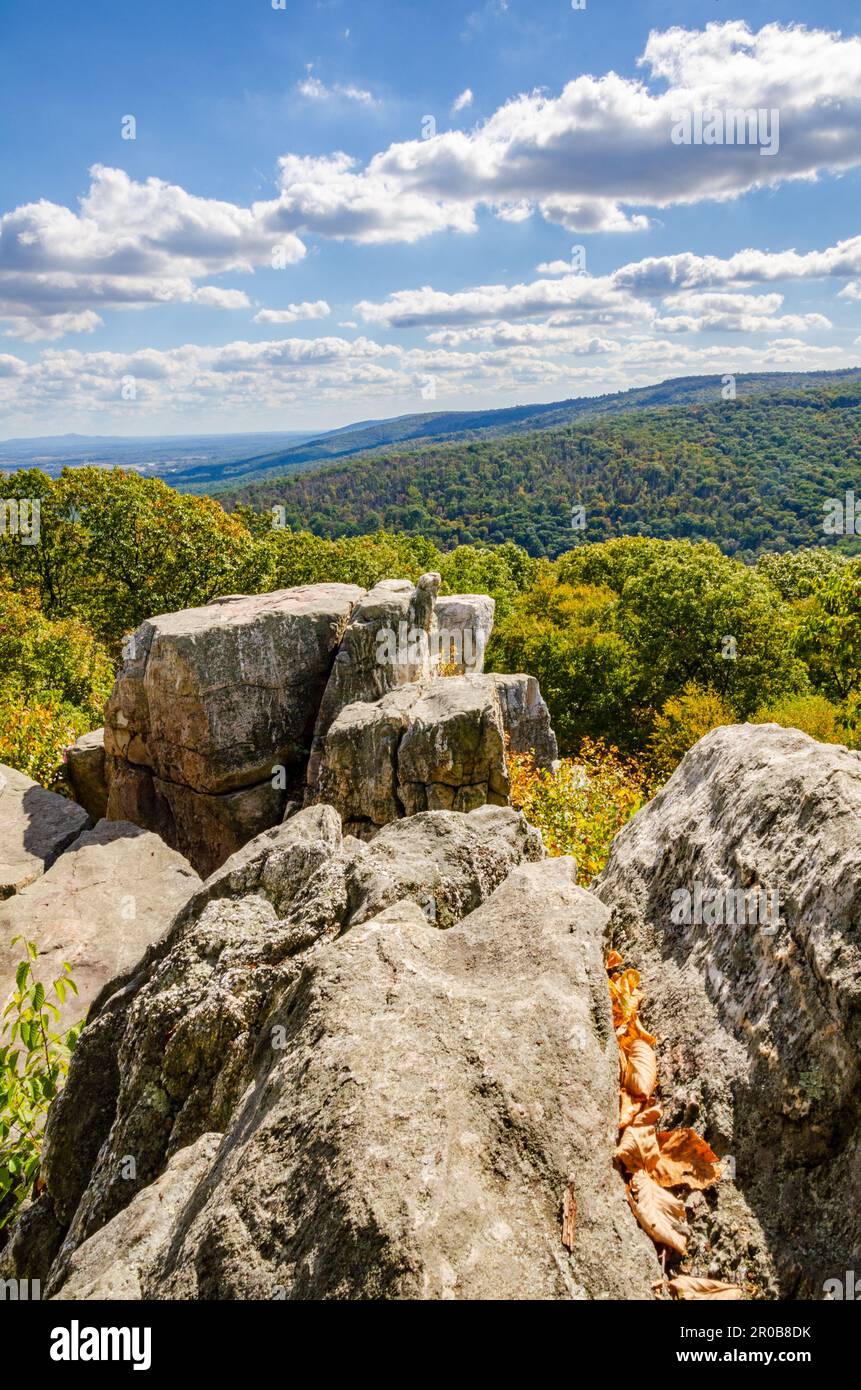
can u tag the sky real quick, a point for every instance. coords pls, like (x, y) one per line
(295, 214)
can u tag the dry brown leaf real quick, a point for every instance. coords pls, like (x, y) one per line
(661, 1215)
(625, 996)
(633, 1031)
(629, 1107)
(687, 1287)
(685, 1158)
(641, 1075)
(649, 1116)
(614, 960)
(569, 1216)
(638, 1148)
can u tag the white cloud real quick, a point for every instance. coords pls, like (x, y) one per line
(681, 281)
(315, 309)
(660, 275)
(590, 297)
(590, 157)
(129, 245)
(51, 326)
(461, 102)
(325, 195)
(316, 90)
(218, 298)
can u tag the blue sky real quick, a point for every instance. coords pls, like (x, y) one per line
(331, 212)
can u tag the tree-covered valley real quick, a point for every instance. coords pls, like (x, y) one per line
(752, 474)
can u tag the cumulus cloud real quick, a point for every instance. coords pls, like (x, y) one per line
(244, 375)
(330, 196)
(590, 156)
(461, 102)
(51, 326)
(308, 309)
(128, 245)
(660, 275)
(681, 282)
(245, 381)
(427, 307)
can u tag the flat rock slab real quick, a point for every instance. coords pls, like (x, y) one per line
(98, 907)
(35, 827)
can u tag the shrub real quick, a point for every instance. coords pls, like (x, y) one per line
(812, 714)
(31, 1076)
(579, 806)
(683, 721)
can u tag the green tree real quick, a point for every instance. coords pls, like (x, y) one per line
(34, 1064)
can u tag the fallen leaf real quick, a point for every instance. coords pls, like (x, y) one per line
(614, 960)
(625, 996)
(641, 1076)
(661, 1215)
(628, 1109)
(649, 1116)
(633, 1032)
(687, 1287)
(569, 1216)
(638, 1148)
(685, 1158)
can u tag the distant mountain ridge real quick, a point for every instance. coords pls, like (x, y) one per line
(752, 473)
(224, 465)
(463, 424)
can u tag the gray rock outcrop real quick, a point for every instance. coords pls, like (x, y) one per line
(224, 716)
(737, 894)
(386, 644)
(326, 1095)
(101, 904)
(432, 745)
(35, 827)
(85, 773)
(211, 718)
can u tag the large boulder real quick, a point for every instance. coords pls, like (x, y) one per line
(210, 720)
(35, 827)
(309, 1090)
(170, 1046)
(98, 907)
(464, 625)
(85, 773)
(432, 745)
(737, 894)
(387, 643)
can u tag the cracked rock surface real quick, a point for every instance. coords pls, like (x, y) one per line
(350, 1070)
(759, 1022)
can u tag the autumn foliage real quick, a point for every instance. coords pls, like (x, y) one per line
(661, 1165)
(580, 804)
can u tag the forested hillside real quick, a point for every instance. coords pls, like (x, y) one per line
(751, 474)
(643, 644)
